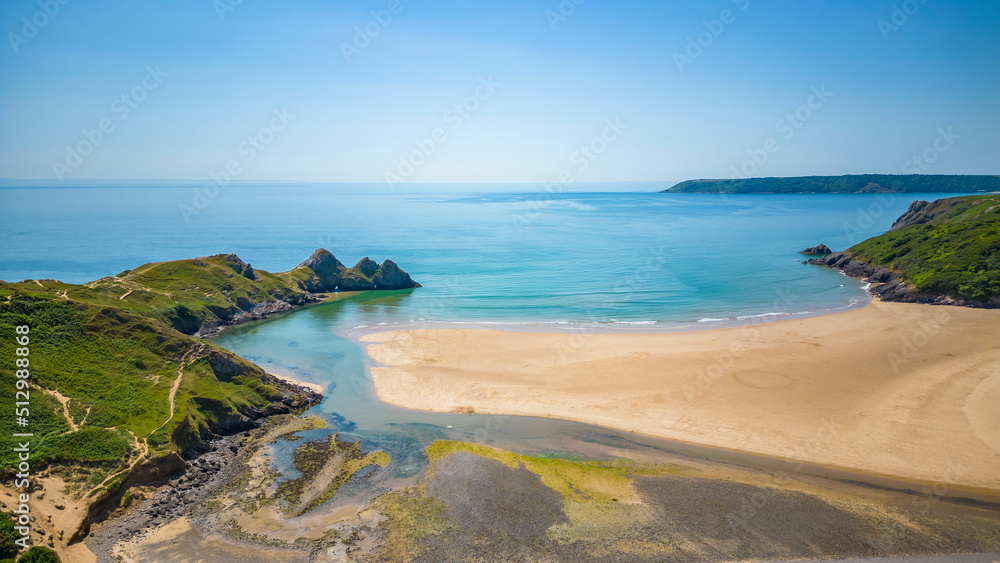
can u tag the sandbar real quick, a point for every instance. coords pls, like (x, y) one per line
(891, 389)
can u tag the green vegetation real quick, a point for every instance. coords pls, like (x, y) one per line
(594, 481)
(116, 369)
(184, 294)
(325, 467)
(411, 515)
(8, 549)
(955, 254)
(38, 554)
(853, 184)
(197, 295)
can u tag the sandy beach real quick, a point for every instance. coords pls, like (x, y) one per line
(891, 389)
(284, 376)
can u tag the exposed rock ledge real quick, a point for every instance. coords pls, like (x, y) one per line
(886, 284)
(819, 250)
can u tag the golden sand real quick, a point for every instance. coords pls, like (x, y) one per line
(902, 390)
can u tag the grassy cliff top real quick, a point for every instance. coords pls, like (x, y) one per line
(101, 380)
(115, 376)
(949, 247)
(196, 295)
(851, 184)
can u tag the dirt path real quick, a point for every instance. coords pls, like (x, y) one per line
(127, 293)
(64, 401)
(176, 385)
(142, 445)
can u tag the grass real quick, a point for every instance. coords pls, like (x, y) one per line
(185, 294)
(121, 367)
(190, 295)
(956, 254)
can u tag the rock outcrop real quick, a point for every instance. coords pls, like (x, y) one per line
(359, 278)
(886, 284)
(326, 271)
(320, 273)
(390, 276)
(238, 265)
(817, 250)
(921, 212)
(327, 274)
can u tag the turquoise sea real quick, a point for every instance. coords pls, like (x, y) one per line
(574, 261)
(502, 257)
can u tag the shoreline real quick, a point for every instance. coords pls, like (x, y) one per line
(357, 334)
(265, 313)
(426, 369)
(314, 387)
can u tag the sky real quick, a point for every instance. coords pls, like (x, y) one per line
(403, 91)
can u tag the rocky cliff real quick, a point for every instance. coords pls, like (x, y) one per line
(201, 296)
(941, 252)
(921, 212)
(329, 274)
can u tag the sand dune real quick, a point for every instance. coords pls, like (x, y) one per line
(904, 390)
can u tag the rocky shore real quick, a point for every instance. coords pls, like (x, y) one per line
(151, 507)
(886, 284)
(180, 486)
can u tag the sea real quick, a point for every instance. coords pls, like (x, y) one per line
(510, 259)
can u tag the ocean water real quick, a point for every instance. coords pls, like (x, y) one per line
(638, 258)
(586, 261)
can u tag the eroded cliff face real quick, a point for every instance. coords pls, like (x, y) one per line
(921, 212)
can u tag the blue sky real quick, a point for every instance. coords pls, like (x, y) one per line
(222, 85)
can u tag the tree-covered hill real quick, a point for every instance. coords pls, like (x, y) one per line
(851, 184)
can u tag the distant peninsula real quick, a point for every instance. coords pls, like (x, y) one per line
(850, 184)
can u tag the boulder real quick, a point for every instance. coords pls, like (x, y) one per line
(819, 250)
(366, 267)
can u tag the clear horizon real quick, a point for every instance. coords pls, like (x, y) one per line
(398, 93)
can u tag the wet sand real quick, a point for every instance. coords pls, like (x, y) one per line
(899, 390)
